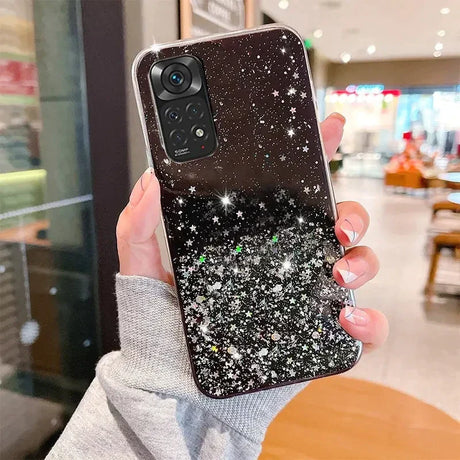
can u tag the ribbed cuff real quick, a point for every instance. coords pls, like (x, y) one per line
(154, 358)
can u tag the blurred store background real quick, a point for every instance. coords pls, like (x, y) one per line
(71, 146)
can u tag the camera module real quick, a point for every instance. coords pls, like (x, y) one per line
(182, 105)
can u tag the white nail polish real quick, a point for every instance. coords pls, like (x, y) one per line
(348, 276)
(356, 316)
(349, 314)
(352, 235)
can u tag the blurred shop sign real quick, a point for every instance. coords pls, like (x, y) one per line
(18, 82)
(350, 92)
(205, 17)
(365, 89)
(18, 77)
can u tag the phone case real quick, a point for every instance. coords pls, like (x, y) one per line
(251, 228)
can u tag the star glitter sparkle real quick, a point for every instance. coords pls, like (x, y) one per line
(226, 200)
(287, 264)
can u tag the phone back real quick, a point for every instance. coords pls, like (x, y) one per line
(251, 228)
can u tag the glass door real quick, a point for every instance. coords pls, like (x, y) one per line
(48, 284)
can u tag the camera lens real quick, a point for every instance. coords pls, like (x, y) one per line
(173, 114)
(195, 110)
(178, 137)
(176, 78)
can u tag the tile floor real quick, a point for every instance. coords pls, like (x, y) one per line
(422, 354)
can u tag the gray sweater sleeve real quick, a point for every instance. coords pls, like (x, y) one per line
(143, 402)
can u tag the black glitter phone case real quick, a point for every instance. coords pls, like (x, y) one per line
(251, 228)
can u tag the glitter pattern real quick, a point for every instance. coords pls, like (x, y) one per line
(251, 228)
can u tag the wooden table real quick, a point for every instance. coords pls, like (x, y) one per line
(452, 179)
(454, 197)
(341, 418)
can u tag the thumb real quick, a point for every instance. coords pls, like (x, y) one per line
(140, 218)
(138, 249)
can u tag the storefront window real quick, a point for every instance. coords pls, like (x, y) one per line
(377, 119)
(49, 344)
(371, 113)
(433, 113)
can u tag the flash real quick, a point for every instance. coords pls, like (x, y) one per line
(199, 132)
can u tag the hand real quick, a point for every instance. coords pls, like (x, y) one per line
(139, 252)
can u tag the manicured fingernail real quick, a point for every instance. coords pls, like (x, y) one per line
(339, 116)
(352, 226)
(348, 276)
(351, 269)
(356, 316)
(141, 186)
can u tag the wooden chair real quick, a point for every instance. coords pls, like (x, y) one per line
(444, 206)
(441, 241)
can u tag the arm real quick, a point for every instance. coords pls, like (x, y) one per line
(144, 403)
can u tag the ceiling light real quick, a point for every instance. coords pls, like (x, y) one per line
(371, 49)
(438, 46)
(441, 33)
(345, 57)
(318, 33)
(283, 4)
(445, 10)
(437, 53)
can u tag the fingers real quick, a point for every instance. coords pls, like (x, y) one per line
(141, 216)
(358, 266)
(367, 325)
(331, 133)
(352, 223)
